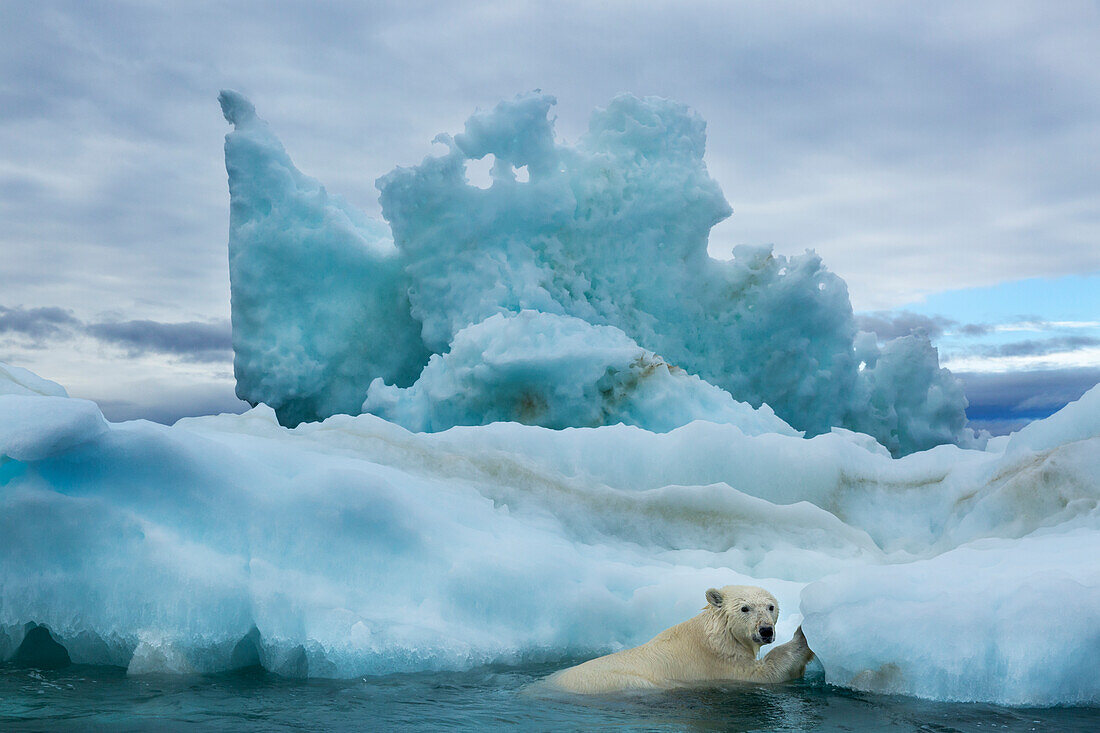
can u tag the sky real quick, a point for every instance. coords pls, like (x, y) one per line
(941, 157)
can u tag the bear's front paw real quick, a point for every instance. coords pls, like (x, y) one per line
(804, 646)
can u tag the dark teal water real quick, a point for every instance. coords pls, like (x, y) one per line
(492, 698)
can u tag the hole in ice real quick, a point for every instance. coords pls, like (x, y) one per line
(521, 174)
(40, 650)
(478, 171)
(246, 653)
(723, 236)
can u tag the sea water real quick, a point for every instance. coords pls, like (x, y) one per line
(485, 698)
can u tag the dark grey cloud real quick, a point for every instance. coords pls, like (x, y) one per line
(1062, 339)
(975, 329)
(1004, 402)
(36, 323)
(1040, 347)
(192, 340)
(893, 324)
(51, 326)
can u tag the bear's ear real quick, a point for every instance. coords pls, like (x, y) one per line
(714, 598)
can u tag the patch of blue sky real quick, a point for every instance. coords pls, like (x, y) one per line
(1072, 298)
(1024, 325)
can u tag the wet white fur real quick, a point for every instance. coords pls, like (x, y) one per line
(719, 645)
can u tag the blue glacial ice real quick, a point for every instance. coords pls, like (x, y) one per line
(611, 231)
(354, 546)
(319, 300)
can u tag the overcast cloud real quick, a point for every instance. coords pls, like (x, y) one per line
(1005, 402)
(918, 147)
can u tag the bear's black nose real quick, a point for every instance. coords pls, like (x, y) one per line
(766, 631)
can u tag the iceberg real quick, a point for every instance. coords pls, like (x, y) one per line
(353, 546)
(611, 231)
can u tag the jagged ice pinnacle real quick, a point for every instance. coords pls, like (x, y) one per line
(333, 315)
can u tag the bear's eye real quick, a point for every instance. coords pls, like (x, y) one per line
(771, 608)
(744, 609)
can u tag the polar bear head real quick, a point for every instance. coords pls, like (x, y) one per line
(741, 616)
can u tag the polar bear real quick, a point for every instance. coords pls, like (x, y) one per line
(719, 645)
